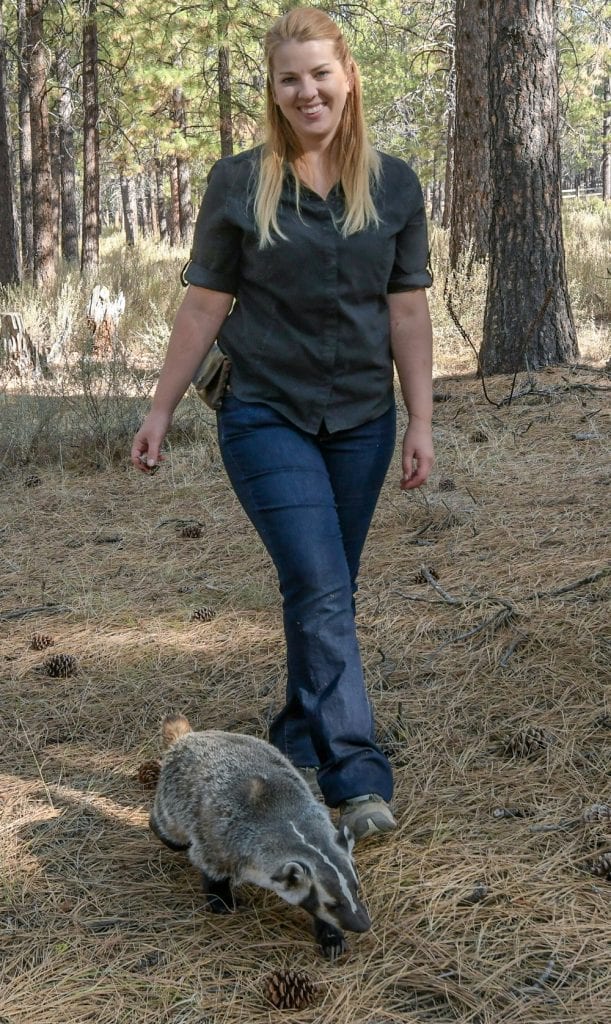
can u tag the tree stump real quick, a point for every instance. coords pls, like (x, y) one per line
(17, 352)
(103, 315)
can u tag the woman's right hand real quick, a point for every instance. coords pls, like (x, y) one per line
(146, 454)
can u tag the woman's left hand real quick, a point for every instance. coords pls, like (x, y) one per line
(418, 456)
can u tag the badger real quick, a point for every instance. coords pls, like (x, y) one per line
(244, 814)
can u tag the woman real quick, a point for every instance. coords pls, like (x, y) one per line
(321, 241)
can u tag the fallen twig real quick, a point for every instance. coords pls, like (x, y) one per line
(22, 613)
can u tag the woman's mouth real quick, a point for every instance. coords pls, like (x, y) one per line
(313, 110)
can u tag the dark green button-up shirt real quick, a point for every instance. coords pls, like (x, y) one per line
(309, 331)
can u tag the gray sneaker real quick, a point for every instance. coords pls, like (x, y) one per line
(367, 815)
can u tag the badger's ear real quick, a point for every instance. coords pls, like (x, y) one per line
(345, 838)
(292, 874)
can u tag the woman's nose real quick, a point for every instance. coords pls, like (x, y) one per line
(307, 88)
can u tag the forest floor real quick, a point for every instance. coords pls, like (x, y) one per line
(483, 612)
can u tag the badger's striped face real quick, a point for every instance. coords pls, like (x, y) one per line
(323, 881)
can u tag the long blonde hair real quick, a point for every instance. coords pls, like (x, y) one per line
(357, 161)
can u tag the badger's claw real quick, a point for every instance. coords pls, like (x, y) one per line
(331, 941)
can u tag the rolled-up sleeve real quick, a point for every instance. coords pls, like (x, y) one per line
(411, 266)
(215, 254)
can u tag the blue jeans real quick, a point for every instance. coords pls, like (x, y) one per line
(311, 500)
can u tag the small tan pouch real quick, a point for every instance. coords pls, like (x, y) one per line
(212, 377)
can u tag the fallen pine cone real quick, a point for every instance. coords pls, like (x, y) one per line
(203, 615)
(39, 641)
(148, 773)
(601, 866)
(191, 531)
(60, 666)
(289, 990)
(527, 742)
(597, 812)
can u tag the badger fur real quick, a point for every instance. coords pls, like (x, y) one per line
(244, 814)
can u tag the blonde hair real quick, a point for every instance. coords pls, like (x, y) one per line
(357, 161)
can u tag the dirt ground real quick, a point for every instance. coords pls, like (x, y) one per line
(483, 618)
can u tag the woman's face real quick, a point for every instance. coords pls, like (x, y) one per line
(310, 87)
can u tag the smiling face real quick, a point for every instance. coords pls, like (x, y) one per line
(310, 87)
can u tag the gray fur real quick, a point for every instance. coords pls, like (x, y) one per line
(244, 814)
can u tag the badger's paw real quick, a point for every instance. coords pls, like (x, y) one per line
(331, 941)
(219, 897)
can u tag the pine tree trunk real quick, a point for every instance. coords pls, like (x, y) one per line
(56, 175)
(9, 248)
(25, 146)
(151, 201)
(66, 152)
(528, 320)
(175, 202)
(184, 174)
(450, 133)
(45, 270)
(606, 161)
(224, 81)
(90, 250)
(470, 220)
(140, 207)
(128, 199)
(161, 207)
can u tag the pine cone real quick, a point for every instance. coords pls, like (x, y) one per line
(32, 481)
(419, 577)
(191, 531)
(447, 484)
(526, 743)
(148, 773)
(597, 812)
(203, 615)
(39, 641)
(60, 666)
(602, 866)
(289, 990)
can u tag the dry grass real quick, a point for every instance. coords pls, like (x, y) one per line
(476, 918)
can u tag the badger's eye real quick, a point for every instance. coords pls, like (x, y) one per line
(331, 906)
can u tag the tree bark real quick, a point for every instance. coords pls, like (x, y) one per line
(606, 161)
(224, 80)
(90, 249)
(161, 206)
(450, 143)
(174, 203)
(470, 216)
(67, 165)
(184, 174)
(45, 270)
(10, 271)
(128, 199)
(25, 145)
(56, 173)
(528, 321)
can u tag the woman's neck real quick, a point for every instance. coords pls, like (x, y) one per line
(318, 170)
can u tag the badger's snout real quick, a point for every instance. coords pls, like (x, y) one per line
(356, 920)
